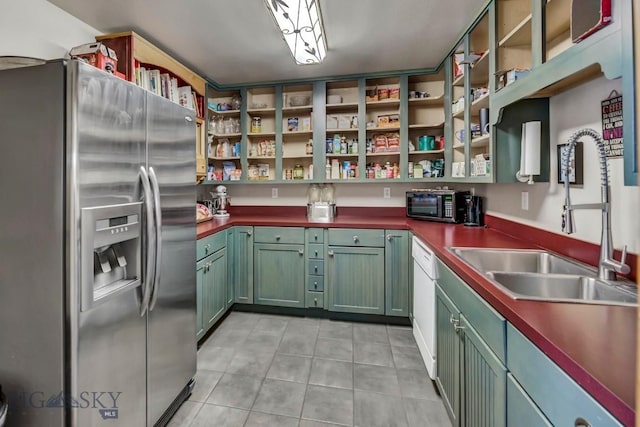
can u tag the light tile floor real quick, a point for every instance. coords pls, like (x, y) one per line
(280, 371)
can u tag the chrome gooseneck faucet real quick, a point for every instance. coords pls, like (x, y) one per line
(607, 265)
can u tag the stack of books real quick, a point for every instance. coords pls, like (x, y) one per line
(165, 85)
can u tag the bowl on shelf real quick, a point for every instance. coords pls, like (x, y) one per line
(299, 100)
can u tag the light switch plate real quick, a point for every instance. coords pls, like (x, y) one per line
(524, 200)
(387, 192)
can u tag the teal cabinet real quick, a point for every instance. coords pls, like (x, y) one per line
(279, 274)
(559, 398)
(355, 279)
(243, 264)
(231, 294)
(470, 374)
(397, 263)
(448, 355)
(199, 303)
(214, 287)
(521, 410)
(483, 382)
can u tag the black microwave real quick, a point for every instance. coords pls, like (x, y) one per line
(436, 205)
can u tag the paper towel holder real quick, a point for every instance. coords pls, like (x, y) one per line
(530, 151)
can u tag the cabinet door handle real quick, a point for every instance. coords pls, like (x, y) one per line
(316, 252)
(330, 253)
(301, 251)
(581, 422)
(249, 233)
(315, 302)
(315, 236)
(277, 237)
(356, 238)
(452, 320)
(389, 237)
(457, 327)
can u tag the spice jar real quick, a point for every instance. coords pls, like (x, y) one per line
(298, 172)
(309, 148)
(256, 124)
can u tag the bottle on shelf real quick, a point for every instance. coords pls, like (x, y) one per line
(336, 144)
(327, 172)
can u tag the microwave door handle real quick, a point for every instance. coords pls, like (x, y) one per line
(155, 188)
(148, 242)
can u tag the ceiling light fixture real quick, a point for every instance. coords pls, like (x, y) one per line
(301, 26)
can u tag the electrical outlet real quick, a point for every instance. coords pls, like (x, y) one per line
(472, 190)
(387, 193)
(274, 193)
(524, 200)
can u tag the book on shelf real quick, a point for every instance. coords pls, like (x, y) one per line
(165, 85)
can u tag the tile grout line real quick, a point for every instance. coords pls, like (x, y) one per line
(306, 386)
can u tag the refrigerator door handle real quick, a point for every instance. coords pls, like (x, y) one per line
(149, 242)
(155, 188)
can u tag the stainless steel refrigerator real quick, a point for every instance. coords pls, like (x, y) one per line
(97, 249)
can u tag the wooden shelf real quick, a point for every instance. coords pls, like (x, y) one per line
(478, 104)
(458, 114)
(145, 52)
(427, 152)
(349, 130)
(266, 111)
(426, 125)
(342, 106)
(224, 158)
(297, 132)
(303, 156)
(384, 103)
(261, 135)
(459, 81)
(576, 79)
(481, 141)
(301, 109)
(386, 153)
(480, 71)
(342, 155)
(261, 158)
(519, 36)
(225, 135)
(458, 145)
(557, 18)
(386, 128)
(432, 100)
(225, 112)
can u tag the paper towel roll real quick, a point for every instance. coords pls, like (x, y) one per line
(530, 148)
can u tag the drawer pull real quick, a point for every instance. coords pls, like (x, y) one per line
(315, 268)
(277, 237)
(315, 302)
(355, 239)
(389, 237)
(315, 285)
(581, 422)
(301, 251)
(315, 236)
(316, 252)
(249, 233)
(330, 253)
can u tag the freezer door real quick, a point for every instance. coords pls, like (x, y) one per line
(106, 143)
(171, 339)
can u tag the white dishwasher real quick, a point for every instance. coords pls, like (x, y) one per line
(424, 303)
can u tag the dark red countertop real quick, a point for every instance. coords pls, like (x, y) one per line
(594, 344)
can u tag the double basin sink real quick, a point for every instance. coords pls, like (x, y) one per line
(544, 276)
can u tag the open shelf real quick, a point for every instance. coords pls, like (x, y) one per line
(225, 135)
(225, 112)
(426, 152)
(265, 111)
(261, 134)
(481, 141)
(342, 155)
(302, 156)
(383, 129)
(301, 109)
(261, 157)
(432, 100)
(426, 125)
(458, 114)
(576, 79)
(298, 132)
(480, 70)
(385, 153)
(224, 158)
(347, 130)
(385, 103)
(459, 81)
(478, 104)
(342, 106)
(519, 36)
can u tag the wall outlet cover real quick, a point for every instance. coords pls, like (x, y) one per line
(387, 192)
(524, 200)
(274, 193)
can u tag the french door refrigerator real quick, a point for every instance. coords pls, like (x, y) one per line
(97, 249)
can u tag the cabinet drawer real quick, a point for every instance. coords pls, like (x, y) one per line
(316, 266)
(489, 324)
(315, 283)
(521, 410)
(292, 235)
(316, 250)
(356, 237)
(315, 299)
(210, 244)
(315, 235)
(560, 398)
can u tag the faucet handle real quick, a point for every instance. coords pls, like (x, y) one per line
(619, 266)
(623, 257)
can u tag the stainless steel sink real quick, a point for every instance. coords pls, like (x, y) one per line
(522, 261)
(559, 287)
(544, 276)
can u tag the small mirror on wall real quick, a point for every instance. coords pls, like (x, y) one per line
(575, 164)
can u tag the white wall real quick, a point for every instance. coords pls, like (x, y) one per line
(570, 111)
(37, 28)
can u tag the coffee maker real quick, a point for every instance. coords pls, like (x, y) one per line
(220, 201)
(473, 213)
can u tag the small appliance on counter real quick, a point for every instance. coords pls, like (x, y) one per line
(442, 205)
(321, 205)
(473, 213)
(220, 202)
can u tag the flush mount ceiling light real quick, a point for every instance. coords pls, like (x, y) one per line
(301, 26)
